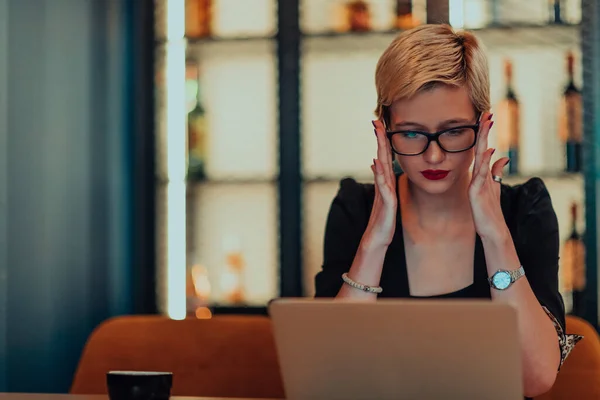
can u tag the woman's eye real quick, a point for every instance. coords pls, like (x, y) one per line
(410, 135)
(458, 131)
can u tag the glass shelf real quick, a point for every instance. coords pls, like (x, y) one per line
(205, 49)
(515, 28)
(233, 39)
(232, 181)
(219, 39)
(499, 36)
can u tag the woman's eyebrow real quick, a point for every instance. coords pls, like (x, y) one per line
(405, 124)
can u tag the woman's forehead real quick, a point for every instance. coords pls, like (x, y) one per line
(441, 103)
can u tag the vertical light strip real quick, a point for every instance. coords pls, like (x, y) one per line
(176, 164)
(456, 13)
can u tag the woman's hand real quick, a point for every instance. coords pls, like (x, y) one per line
(382, 223)
(368, 261)
(484, 192)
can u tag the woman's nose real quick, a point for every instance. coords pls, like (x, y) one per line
(434, 154)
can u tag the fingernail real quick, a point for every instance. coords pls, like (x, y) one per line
(493, 151)
(375, 132)
(508, 162)
(373, 122)
(490, 116)
(491, 124)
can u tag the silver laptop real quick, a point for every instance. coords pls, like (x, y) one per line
(397, 349)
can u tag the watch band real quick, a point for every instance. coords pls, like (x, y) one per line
(513, 275)
(516, 274)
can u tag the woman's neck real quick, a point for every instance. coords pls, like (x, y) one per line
(436, 210)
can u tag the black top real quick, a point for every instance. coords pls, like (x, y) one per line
(528, 213)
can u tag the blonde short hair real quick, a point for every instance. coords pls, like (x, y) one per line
(428, 55)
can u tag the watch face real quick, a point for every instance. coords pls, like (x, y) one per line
(501, 280)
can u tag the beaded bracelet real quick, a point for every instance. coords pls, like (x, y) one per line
(364, 288)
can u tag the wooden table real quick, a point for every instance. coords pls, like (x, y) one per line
(41, 396)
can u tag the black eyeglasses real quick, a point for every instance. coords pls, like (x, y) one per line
(452, 140)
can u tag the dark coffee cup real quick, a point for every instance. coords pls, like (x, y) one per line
(139, 385)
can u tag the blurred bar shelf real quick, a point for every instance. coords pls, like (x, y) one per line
(497, 36)
(230, 47)
(219, 39)
(232, 181)
(203, 48)
(509, 179)
(220, 182)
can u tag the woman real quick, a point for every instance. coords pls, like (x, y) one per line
(438, 230)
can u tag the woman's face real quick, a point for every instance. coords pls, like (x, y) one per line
(435, 171)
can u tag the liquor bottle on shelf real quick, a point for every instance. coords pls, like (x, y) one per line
(564, 11)
(198, 292)
(359, 16)
(573, 266)
(201, 283)
(198, 18)
(404, 14)
(554, 10)
(197, 137)
(197, 285)
(509, 122)
(494, 12)
(571, 124)
(232, 282)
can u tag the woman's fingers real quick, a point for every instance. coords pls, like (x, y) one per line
(384, 187)
(498, 167)
(484, 169)
(384, 151)
(482, 140)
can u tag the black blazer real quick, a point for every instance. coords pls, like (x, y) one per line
(529, 215)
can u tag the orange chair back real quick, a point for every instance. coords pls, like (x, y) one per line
(226, 356)
(579, 377)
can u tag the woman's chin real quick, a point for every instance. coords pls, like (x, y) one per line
(430, 186)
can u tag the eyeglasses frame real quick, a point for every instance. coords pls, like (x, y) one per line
(434, 137)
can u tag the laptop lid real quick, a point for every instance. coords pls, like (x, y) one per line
(397, 349)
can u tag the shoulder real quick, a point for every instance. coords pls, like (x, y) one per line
(355, 198)
(528, 205)
(351, 206)
(525, 197)
(346, 222)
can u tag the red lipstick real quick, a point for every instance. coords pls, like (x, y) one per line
(435, 174)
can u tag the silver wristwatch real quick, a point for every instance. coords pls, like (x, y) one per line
(502, 279)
